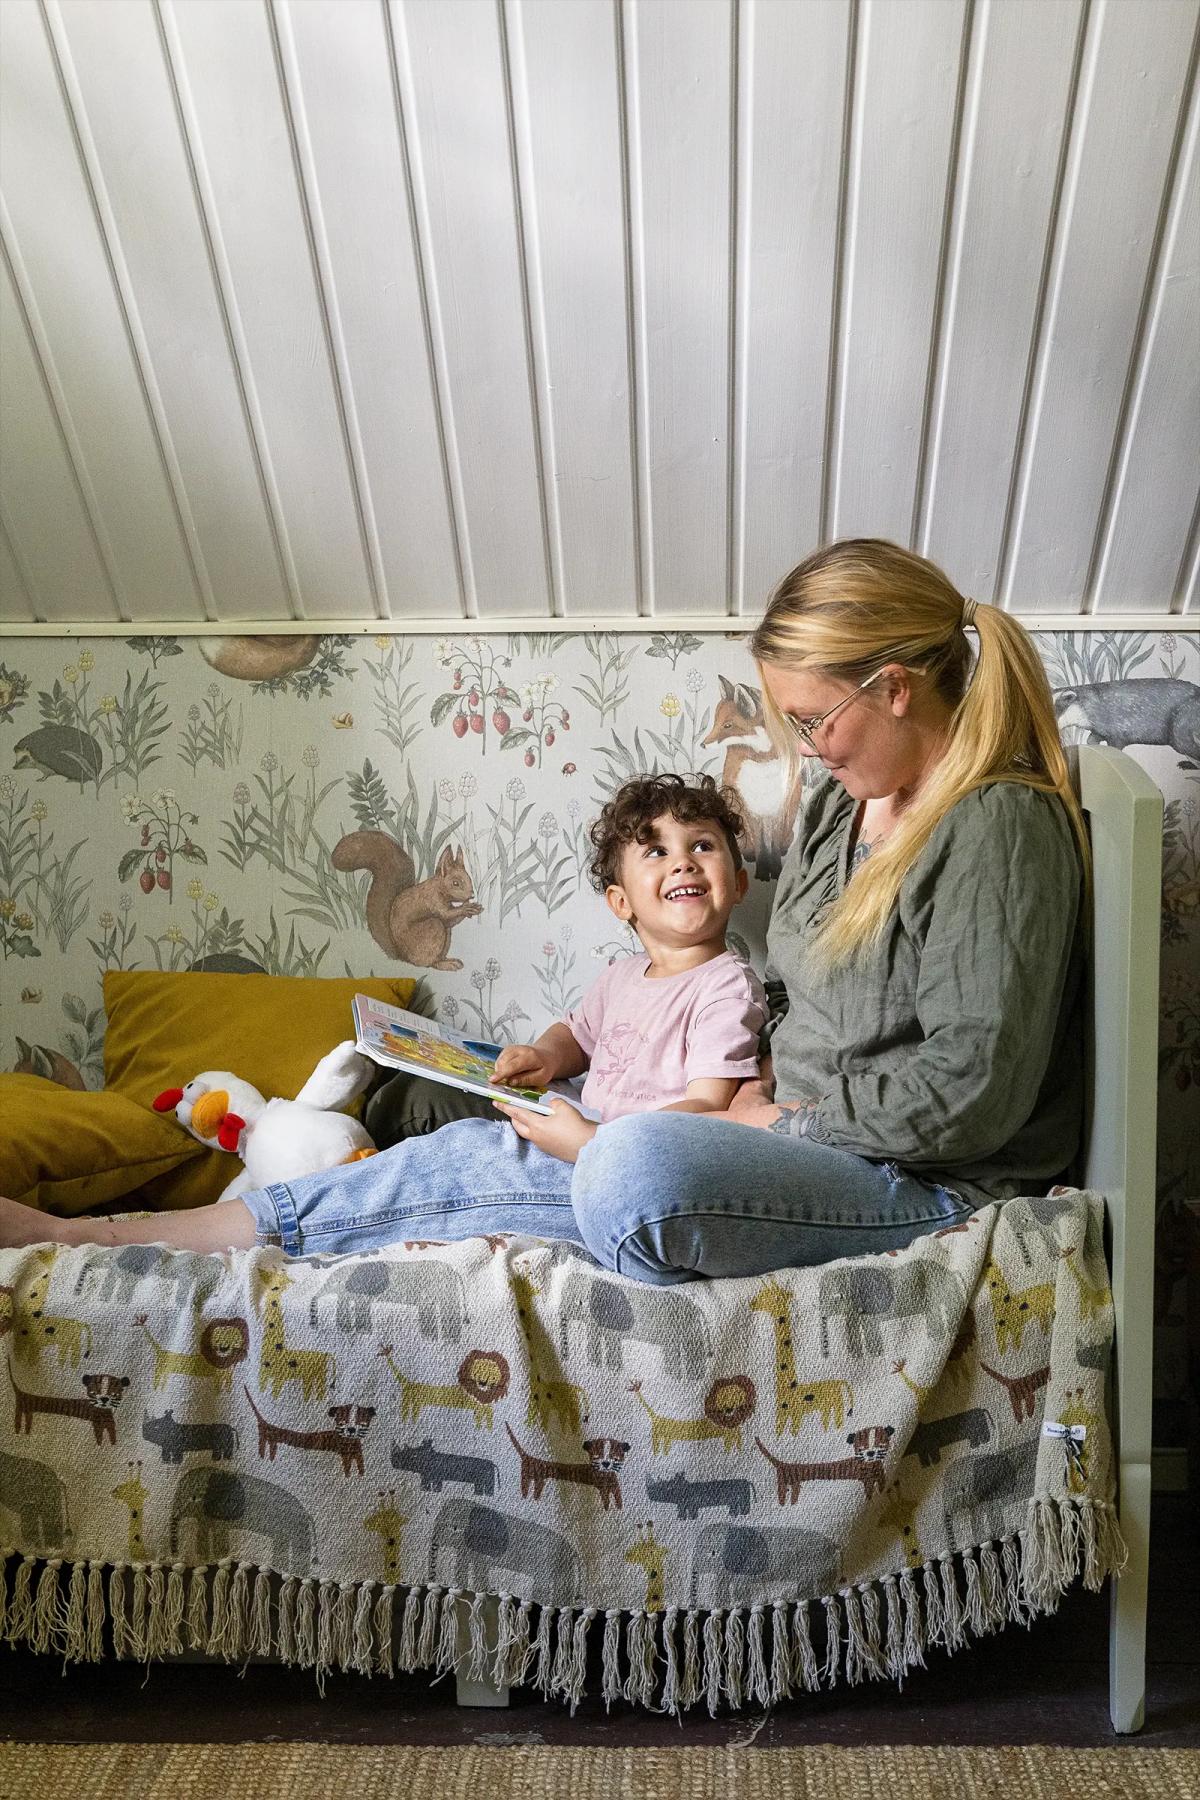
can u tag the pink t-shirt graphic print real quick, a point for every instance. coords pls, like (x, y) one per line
(617, 1051)
(646, 1039)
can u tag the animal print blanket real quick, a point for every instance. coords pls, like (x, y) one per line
(487, 1454)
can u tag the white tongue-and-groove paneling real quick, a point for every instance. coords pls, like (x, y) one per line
(454, 88)
(127, 106)
(903, 109)
(678, 81)
(43, 483)
(75, 322)
(1021, 61)
(16, 601)
(356, 178)
(236, 113)
(1143, 547)
(421, 310)
(1123, 133)
(566, 87)
(792, 63)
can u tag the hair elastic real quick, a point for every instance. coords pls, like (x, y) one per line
(968, 615)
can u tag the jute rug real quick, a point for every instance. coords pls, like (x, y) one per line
(379, 1772)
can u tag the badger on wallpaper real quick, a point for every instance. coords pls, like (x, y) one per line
(1121, 713)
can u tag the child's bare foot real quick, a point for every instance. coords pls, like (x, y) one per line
(26, 1225)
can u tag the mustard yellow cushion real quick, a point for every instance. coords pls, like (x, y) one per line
(272, 1030)
(67, 1152)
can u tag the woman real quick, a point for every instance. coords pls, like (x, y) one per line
(924, 962)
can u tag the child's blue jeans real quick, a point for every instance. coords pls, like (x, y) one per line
(661, 1197)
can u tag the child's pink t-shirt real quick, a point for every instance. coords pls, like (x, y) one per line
(646, 1039)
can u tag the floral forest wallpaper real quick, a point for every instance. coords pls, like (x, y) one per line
(269, 803)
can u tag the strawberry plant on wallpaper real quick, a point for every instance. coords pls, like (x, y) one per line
(355, 805)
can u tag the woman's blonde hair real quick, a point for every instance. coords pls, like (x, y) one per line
(859, 604)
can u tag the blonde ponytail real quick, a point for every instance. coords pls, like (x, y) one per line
(862, 603)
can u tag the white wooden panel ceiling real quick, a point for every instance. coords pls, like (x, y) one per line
(417, 310)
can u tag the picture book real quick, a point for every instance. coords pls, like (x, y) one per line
(406, 1041)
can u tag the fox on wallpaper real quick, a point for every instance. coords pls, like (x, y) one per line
(753, 770)
(411, 920)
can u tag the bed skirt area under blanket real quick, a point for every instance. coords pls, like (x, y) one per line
(486, 1455)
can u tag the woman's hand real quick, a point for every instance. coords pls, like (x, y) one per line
(561, 1132)
(525, 1065)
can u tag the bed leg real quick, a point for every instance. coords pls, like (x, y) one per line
(483, 1691)
(1127, 1606)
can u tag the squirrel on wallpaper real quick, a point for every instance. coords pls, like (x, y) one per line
(411, 920)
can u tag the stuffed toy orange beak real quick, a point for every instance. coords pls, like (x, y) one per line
(211, 1117)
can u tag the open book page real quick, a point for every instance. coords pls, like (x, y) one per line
(406, 1041)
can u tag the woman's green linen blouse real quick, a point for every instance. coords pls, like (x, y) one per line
(953, 1046)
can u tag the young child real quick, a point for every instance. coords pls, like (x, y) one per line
(674, 1029)
(667, 862)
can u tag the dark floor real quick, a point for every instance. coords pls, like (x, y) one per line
(1047, 1685)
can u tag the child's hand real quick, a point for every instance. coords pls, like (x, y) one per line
(561, 1132)
(524, 1065)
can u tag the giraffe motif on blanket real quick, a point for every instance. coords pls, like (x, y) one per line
(899, 1511)
(280, 1363)
(648, 1554)
(1092, 1300)
(133, 1493)
(795, 1399)
(1013, 1309)
(389, 1525)
(33, 1328)
(549, 1395)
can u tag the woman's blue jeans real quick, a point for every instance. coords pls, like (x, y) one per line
(661, 1197)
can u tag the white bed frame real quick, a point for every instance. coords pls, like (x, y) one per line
(1117, 1159)
(1125, 814)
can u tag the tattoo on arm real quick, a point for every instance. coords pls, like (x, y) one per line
(795, 1119)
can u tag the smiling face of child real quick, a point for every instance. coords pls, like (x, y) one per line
(678, 887)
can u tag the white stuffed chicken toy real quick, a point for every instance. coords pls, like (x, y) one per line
(277, 1140)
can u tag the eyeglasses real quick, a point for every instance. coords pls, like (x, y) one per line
(806, 729)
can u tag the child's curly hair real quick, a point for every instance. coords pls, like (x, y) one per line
(632, 810)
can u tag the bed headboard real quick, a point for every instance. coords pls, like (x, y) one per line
(1117, 1159)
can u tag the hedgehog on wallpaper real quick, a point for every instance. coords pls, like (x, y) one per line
(60, 750)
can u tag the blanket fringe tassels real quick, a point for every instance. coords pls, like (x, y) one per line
(667, 1661)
